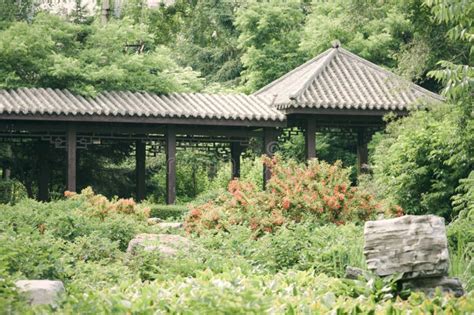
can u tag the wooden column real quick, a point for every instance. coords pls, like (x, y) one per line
(310, 139)
(270, 146)
(71, 139)
(235, 152)
(43, 178)
(170, 165)
(6, 172)
(362, 151)
(140, 160)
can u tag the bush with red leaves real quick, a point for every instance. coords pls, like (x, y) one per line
(318, 191)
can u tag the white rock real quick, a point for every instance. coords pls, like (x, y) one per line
(41, 292)
(413, 245)
(166, 244)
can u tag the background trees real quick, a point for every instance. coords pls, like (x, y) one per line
(222, 45)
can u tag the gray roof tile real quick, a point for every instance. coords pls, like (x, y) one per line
(39, 101)
(338, 79)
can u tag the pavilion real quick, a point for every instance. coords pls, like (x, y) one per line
(335, 90)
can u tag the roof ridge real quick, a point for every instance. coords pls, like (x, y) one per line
(382, 69)
(266, 87)
(316, 73)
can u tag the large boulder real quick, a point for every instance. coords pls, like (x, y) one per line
(39, 292)
(167, 245)
(413, 245)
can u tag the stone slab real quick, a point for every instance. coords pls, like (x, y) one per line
(413, 245)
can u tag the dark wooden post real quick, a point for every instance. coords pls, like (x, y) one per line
(235, 152)
(362, 151)
(6, 172)
(140, 160)
(170, 165)
(270, 146)
(310, 139)
(43, 178)
(71, 158)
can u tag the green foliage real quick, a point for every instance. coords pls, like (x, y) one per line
(461, 240)
(167, 212)
(291, 270)
(50, 52)
(371, 30)
(250, 171)
(269, 37)
(301, 246)
(458, 78)
(11, 191)
(236, 293)
(420, 160)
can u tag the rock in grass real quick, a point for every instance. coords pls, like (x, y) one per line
(428, 285)
(167, 245)
(41, 292)
(170, 225)
(353, 273)
(153, 221)
(413, 245)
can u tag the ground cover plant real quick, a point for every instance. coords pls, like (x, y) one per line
(297, 268)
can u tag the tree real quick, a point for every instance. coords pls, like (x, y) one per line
(423, 160)
(269, 38)
(87, 59)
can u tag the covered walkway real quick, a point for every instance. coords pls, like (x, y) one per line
(335, 90)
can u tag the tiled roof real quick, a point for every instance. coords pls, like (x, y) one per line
(338, 79)
(53, 102)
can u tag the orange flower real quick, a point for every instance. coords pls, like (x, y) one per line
(286, 203)
(69, 194)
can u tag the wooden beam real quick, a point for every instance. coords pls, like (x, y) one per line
(270, 145)
(170, 165)
(71, 139)
(362, 151)
(140, 163)
(235, 152)
(44, 171)
(310, 139)
(343, 112)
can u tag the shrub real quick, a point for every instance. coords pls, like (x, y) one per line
(167, 212)
(291, 292)
(420, 159)
(461, 240)
(296, 192)
(94, 248)
(32, 255)
(101, 207)
(11, 191)
(303, 246)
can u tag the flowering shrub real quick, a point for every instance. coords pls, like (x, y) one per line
(317, 191)
(102, 207)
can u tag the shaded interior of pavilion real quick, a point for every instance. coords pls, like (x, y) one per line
(335, 92)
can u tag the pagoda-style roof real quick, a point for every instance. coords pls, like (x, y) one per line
(140, 107)
(340, 80)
